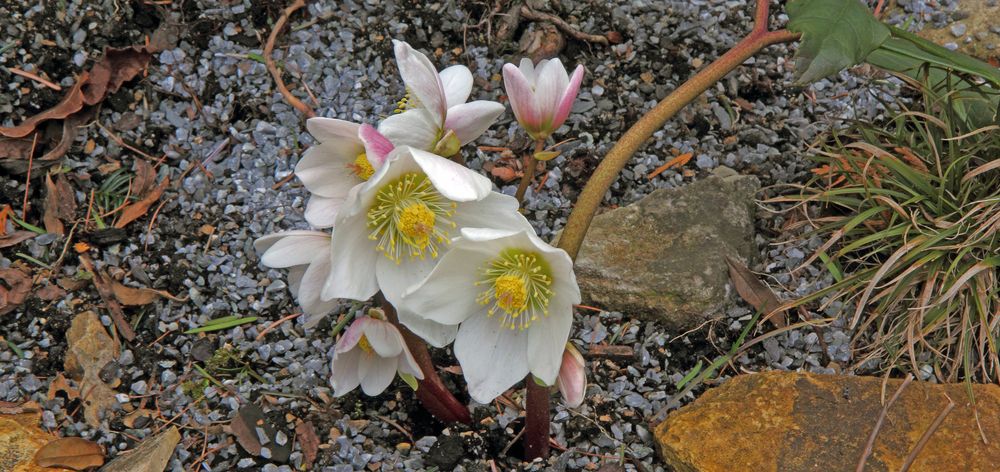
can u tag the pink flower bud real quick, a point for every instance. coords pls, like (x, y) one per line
(541, 96)
(572, 380)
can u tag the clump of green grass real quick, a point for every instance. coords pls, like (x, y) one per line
(913, 223)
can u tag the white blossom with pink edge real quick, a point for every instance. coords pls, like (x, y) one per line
(541, 95)
(572, 380)
(307, 256)
(435, 116)
(370, 354)
(512, 296)
(347, 155)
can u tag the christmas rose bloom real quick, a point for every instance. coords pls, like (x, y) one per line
(307, 256)
(512, 295)
(394, 229)
(435, 116)
(370, 354)
(346, 156)
(541, 96)
(572, 380)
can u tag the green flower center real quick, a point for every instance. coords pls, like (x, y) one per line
(361, 167)
(517, 288)
(410, 217)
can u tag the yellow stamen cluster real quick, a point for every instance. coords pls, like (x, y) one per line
(408, 102)
(365, 345)
(517, 288)
(410, 217)
(361, 167)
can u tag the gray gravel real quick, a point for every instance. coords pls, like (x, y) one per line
(247, 138)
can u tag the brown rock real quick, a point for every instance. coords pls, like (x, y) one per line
(90, 349)
(789, 422)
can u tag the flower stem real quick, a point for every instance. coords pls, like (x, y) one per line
(529, 171)
(607, 171)
(431, 392)
(536, 420)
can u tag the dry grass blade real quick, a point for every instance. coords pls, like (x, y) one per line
(756, 293)
(675, 162)
(912, 456)
(71, 453)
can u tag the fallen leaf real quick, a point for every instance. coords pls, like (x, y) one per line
(114, 69)
(50, 292)
(505, 174)
(140, 296)
(130, 419)
(16, 237)
(72, 453)
(71, 103)
(145, 177)
(134, 211)
(755, 292)
(60, 204)
(305, 434)
(20, 438)
(104, 289)
(244, 426)
(18, 285)
(151, 455)
(66, 133)
(675, 162)
(89, 349)
(60, 384)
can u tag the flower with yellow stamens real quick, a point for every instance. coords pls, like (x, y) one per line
(370, 354)
(512, 296)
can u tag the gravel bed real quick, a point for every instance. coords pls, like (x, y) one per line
(210, 108)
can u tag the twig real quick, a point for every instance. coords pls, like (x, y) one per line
(530, 163)
(149, 229)
(121, 142)
(106, 293)
(269, 61)
(927, 436)
(282, 182)
(396, 425)
(27, 178)
(878, 424)
(276, 324)
(29, 75)
(534, 15)
(511, 443)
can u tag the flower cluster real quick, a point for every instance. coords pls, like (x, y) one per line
(455, 258)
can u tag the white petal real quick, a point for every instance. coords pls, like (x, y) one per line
(528, 70)
(295, 279)
(321, 212)
(295, 248)
(352, 273)
(352, 335)
(407, 364)
(344, 372)
(549, 88)
(415, 128)
(448, 294)
(454, 181)
(326, 129)
(265, 242)
(497, 211)
(379, 375)
(326, 170)
(394, 280)
(381, 335)
(311, 286)
(457, 84)
(493, 358)
(421, 78)
(547, 340)
(471, 120)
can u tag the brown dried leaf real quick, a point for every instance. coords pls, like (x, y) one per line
(114, 69)
(18, 285)
(145, 178)
(15, 148)
(244, 427)
(505, 174)
(305, 433)
(140, 296)
(73, 453)
(15, 237)
(53, 156)
(50, 292)
(136, 210)
(60, 384)
(71, 103)
(755, 292)
(60, 204)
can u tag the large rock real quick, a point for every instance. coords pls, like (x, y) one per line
(977, 33)
(664, 257)
(782, 421)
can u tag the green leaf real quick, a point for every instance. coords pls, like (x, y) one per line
(836, 34)
(221, 323)
(410, 380)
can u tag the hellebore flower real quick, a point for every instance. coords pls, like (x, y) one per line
(512, 295)
(370, 354)
(541, 96)
(346, 156)
(435, 116)
(572, 380)
(307, 256)
(394, 229)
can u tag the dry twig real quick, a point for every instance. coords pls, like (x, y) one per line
(36, 78)
(273, 69)
(926, 436)
(535, 15)
(878, 424)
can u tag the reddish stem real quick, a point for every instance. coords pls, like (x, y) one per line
(536, 420)
(431, 391)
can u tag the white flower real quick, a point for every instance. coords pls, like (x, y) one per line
(572, 380)
(370, 353)
(513, 296)
(541, 96)
(394, 229)
(346, 156)
(307, 256)
(435, 116)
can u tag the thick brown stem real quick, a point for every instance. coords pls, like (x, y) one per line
(529, 171)
(607, 171)
(536, 420)
(431, 392)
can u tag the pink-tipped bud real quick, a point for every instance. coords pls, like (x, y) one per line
(572, 380)
(541, 96)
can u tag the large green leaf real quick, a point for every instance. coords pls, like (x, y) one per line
(836, 34)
